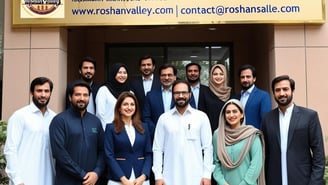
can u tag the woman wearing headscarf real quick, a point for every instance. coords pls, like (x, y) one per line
(238, 148)
(219, 93)
(109, 92)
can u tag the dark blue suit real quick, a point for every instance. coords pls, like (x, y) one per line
(121, 157)
(258, 104)
(211, 105)
(153, 108)
(138, 88)
(305, 149)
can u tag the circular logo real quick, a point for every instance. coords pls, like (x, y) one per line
(42, 7)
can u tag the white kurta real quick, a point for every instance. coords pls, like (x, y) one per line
(27, 148)
(182, 148)
(105, 104)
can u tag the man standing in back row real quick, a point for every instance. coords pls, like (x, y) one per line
(87, 71)
(193, 71)
(293, 140)
(159, 100)
(147, 82)
(256, 102)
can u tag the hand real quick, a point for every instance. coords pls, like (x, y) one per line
(125, 181)
(205, 181)
(90, 178)
(140, 180)
(160, 182)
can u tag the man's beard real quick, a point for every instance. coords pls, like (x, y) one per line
(193, 80)
(87, 79)
(285, 103)
(40, 104)
(181, 105)
(79, 107)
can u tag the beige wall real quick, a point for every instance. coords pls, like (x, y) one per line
(300, 51)
(29, 53)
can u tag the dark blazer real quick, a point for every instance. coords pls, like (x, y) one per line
(121, 157)
(211, 105)
(138, 88)
(258, 104)
(203, 91)
(94, 89)
(305, 149)
(153, 108)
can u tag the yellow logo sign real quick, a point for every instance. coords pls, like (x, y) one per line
(40, 8)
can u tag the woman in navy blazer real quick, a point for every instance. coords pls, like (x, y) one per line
(128, 151)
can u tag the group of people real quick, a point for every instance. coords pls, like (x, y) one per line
(165, 131)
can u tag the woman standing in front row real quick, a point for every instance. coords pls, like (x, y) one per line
(128, 152)
(238, 148)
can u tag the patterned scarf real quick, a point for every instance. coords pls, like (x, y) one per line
(223, 92)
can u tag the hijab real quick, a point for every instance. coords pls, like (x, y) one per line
(228, 136)
(115, 87)
(224, 92)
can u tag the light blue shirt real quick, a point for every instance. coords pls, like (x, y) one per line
(147, 84)
(167, 98)
(245, 95)
(284, 120)
(195, 92)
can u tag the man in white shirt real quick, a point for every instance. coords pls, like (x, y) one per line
(27, 147)
(182, 148)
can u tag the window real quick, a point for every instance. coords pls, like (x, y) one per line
(180, 55)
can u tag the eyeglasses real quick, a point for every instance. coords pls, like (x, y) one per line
(184, 93)
(169, 75)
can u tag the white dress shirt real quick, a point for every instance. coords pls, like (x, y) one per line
(284, 120)
(182, 148)
(27, 148)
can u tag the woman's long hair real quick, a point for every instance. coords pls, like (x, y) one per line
(118, 122)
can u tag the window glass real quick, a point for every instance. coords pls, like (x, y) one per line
(179, 56)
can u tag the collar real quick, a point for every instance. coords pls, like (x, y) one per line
(176, 112)
(151, 78)
(196, 86)
(288, 110)
(34, 108)
(249, 90)
(164, 90)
